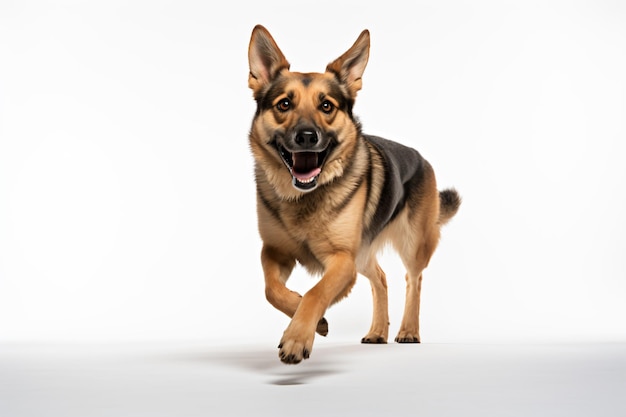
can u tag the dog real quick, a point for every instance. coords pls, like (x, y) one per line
(330, 197)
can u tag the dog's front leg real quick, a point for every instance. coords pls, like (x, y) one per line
(297, 341)
(277, 267)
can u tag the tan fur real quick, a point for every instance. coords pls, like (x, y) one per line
(324, 229)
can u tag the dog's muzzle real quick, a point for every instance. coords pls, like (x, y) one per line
(304, 159)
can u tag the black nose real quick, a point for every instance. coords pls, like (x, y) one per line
(306, 138)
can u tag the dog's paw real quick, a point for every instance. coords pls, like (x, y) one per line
(292, 352)
(322, 327)
(372, 338)
(407, 337)
(296, 344)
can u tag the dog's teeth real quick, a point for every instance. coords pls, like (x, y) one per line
(306, 181)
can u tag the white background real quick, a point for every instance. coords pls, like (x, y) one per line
(127, 208)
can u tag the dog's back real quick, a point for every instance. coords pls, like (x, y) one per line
(402, 168)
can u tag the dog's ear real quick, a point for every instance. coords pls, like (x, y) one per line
(265, 59)
(350, 66)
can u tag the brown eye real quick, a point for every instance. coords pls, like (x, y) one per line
(284, 105)
(326, 106)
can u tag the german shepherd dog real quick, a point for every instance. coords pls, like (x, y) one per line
(330, 197)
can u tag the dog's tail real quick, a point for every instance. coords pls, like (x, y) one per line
(449, 203)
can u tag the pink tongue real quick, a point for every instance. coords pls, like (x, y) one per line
(306, 176)
(305, 165)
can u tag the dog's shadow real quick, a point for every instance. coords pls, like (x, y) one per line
(326, 362)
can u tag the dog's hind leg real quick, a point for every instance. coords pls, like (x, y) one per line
(415, 262)
(277, 267)
(380, 318)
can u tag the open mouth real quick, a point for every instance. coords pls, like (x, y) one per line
(305, 167)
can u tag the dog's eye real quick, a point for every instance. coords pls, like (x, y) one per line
(284, 105)
(326, 106)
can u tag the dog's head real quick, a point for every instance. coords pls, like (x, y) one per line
(303, 132)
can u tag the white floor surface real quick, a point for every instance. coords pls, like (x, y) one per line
(340, 379)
